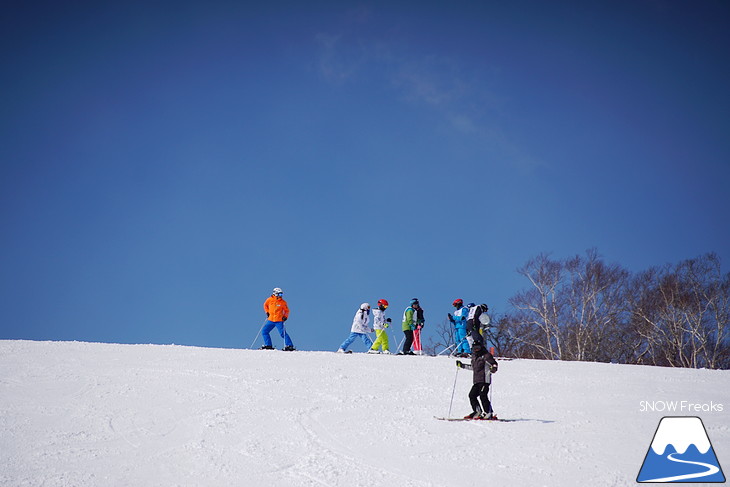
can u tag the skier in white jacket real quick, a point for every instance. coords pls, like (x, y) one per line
(360, 328)
(380, 324)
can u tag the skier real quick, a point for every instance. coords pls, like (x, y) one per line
(360, 328)
(277, 312)
(419, 323)
(484, 365)
(380, 323)
(478, 319)
(459, 321)
(409, 324)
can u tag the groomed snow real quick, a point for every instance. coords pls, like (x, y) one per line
(83, 414)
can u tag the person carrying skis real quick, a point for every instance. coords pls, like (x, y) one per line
(484, 365)
(409, 324)
(360, 328)
(277, 312)
(419, 323)
(380, 323)
(459, 321)
(478, 319)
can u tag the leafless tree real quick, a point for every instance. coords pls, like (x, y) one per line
(681, 313)
(582, 308)
(539, 307)
(594, 297)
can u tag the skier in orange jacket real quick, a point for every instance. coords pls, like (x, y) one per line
(277, 312)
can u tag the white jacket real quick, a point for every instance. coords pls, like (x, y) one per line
(361, 322)
(379, 319)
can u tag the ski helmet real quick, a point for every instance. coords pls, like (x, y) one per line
(484, 307)
(383, 303)
(278, 291)
(457, 303)
(470, 305)
(414, 301)
(365, 306)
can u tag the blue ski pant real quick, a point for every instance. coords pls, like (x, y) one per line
(279, 325)
(462, 344)
(348, 341)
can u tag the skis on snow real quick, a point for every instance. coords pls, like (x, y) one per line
(493, 419)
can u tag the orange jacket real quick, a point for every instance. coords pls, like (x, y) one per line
(276, 308)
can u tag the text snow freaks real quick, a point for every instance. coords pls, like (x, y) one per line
(679, 407)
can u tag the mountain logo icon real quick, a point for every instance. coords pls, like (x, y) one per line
(681, 452)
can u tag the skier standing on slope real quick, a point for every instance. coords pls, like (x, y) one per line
(277, 312)
(409, 324)
(484, 365)
(478, 319)
(458, 319)
(419, 322)
(360, 328)
(380, 323)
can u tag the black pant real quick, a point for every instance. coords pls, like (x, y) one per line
(409, 341)
(480, 390)
(474, 333)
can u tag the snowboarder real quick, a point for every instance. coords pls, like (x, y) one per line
(380, 323)
(409, 324)
(478, 319)
(484, 365)
(459, 321)
(360, 328)
(277, 312)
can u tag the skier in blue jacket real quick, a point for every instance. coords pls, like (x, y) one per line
(458, 319)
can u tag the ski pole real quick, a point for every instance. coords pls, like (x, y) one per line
(452, 392)
(456, 347)
(257, 334)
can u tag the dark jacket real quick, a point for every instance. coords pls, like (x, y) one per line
(480, 364)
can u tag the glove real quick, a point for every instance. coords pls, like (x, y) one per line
(493, 368)
(285, 318)
(459, 364)
(388, 320)
(267, 315)
(451, 318)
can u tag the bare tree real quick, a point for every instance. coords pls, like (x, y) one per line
(681, 314)
(594, 307)
(540, 307)
(584, 309)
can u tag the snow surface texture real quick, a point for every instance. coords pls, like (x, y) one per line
(81, 414)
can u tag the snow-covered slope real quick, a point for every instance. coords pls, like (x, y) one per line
(81, 414)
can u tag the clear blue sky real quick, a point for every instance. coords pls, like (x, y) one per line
(164, 165)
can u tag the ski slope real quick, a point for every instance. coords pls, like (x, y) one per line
(84, 414)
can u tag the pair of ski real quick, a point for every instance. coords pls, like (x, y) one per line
(493, 419)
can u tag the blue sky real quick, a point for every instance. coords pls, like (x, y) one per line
(164, 165)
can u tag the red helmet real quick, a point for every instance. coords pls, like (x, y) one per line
(383, 303)
(457, 303)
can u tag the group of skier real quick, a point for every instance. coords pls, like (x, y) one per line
(413, 322)
(468, 321)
